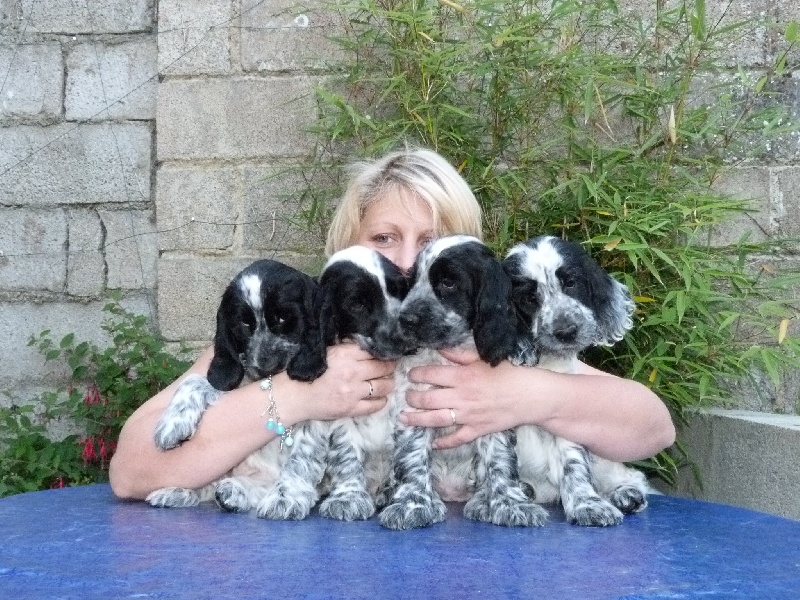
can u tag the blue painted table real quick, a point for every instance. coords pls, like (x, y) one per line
(83, 543)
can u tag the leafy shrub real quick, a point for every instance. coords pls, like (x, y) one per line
(587, 121)
(106, 386)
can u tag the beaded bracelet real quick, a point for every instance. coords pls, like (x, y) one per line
(274, 422)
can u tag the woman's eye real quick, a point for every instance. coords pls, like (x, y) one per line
(381, 239)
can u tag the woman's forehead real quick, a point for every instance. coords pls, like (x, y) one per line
(397, 205)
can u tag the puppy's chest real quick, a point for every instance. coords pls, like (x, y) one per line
(375, 430)
(558, 364)
(402, 384)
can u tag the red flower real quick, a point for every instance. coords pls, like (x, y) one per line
(88, 453)
(93, 396)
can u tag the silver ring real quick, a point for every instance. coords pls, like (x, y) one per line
(370, 389)
(453, 415)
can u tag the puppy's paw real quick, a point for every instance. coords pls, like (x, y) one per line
(628, 499)
(594, 513)
(184, 411)
(280, 505)
(173, 430)
(354, 505)
(385, 494)
(410, 514)
(232, 496)
(173, 497)
(514, 510)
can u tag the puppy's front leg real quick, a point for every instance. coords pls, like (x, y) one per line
(295, 493)
(415, 503)
(184, 411)
(349, 499)
(499, 497)
(582, 504)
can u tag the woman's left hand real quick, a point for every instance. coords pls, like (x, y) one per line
(461, 394)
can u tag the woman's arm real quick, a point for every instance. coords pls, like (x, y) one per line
(234, 427)
(618, 419)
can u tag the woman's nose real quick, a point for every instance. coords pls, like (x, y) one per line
(406, 256)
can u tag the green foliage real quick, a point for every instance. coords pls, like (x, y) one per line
(603, 126)
(105, 387)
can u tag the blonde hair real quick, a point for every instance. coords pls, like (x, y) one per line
(423, 173)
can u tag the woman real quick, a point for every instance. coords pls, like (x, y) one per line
(396, 205)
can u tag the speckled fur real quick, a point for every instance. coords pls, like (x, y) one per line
(593, 491)
(484, 472)
(277, 484)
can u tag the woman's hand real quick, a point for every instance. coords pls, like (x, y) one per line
(354, 385)
(481, 397)
(618, 419)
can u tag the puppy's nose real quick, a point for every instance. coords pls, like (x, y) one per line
(408, 321)
(565, 331)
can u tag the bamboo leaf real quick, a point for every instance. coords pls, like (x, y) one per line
(783, 329)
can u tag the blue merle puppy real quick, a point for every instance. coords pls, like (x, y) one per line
(266, 323)
(565, 302)
(361, 292)
(460, 297)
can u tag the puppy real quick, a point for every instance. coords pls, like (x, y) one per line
(565, 303)
(266, 322)
(360, 292)
(460, 297)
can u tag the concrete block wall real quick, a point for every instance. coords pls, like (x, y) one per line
(78, 85)
(234, 106)
(145, 146)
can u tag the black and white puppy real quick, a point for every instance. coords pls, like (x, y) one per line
(460, 297)
(266, 322)
(565, 303)
(360, 292)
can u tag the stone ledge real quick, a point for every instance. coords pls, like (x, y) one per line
(747, 459)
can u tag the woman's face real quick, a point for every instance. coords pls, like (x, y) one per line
(398, 225)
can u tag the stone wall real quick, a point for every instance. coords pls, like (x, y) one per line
(142, 147)
(77, 129)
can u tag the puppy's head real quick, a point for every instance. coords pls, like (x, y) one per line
(564, 300)
(360, 295)
(266, 323)
(459, 292)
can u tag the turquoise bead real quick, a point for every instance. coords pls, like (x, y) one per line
(271, 424)
(289, 440)
(280, 429)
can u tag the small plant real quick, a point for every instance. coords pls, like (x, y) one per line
(582, 120)
(106, 386)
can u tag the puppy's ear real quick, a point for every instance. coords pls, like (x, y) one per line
(226, 370)
(495, 325)
(326, 312)
(398, 284)
(310, 360)
(614, 311)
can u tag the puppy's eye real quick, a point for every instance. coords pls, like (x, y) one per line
(446, 284)
(566, 279)
(527, 301)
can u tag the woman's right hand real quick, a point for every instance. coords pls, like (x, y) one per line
(343, 390)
